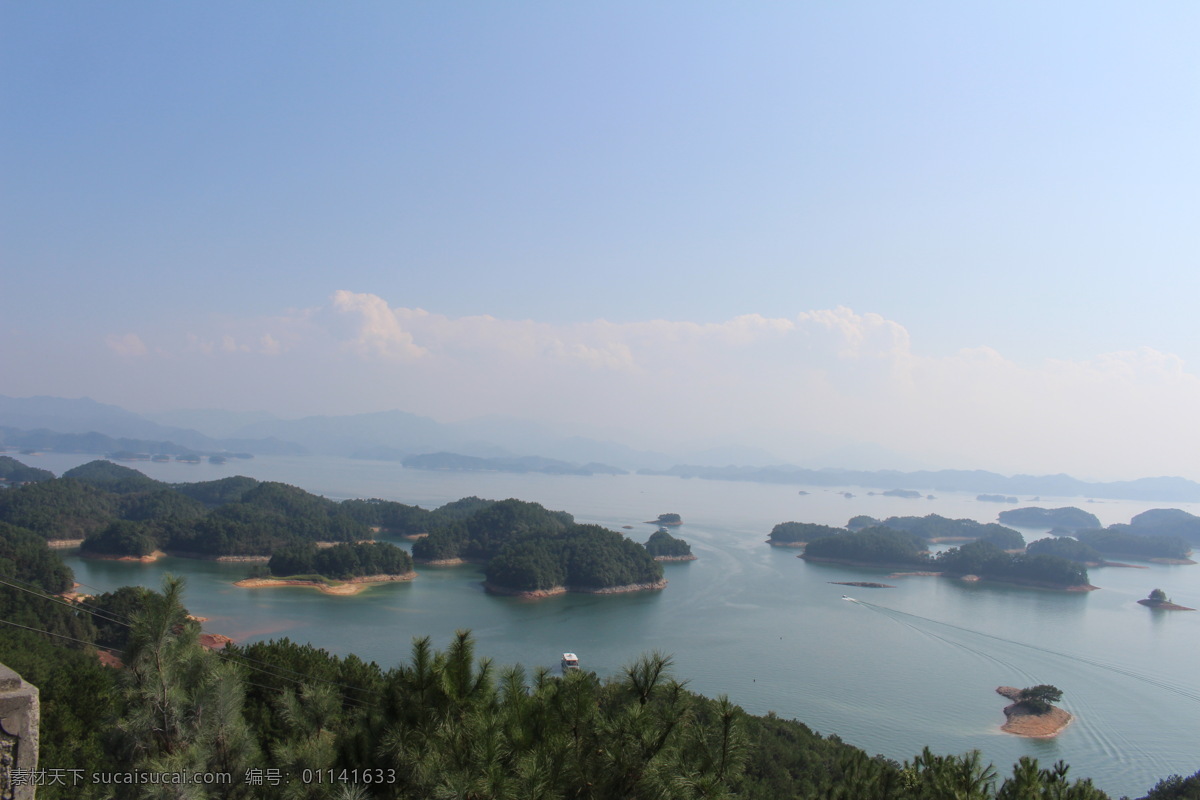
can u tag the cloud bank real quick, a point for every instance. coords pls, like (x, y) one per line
(793, 385)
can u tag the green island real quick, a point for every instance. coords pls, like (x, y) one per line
(1068, 548)
(113, 511)
(1068, 518)
(898, 548)
(530, 551)
(342, 569)
(128, 683)
(797, 534)
(1158, 599)
(662, 546)
(1032, 713)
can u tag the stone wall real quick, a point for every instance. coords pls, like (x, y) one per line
(18, 736)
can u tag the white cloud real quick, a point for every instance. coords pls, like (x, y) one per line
(780, 383)
(128, 345)
(377, 330)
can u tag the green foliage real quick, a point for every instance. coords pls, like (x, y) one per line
(342, 561)
(487, 529)
(219, 492)
(114, 612)
(25, 556)
(121, 538)
(984, 559)
(113, 478)
(1065, 547)
(796, 532)
(78, 698)
(59, 509)
(1167, 522)
(862, 521)
(1040, 698)
(582, 557)
(877, 545)
(1159, 596)
(1176, 787)
(390, 516)
(662, 543)
(935, 526)
(1068, 518)
(1121, 540)
(669, 519)
(13, 471)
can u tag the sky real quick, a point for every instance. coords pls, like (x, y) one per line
(964, 233)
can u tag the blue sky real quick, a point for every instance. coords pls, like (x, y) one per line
(1012, 181)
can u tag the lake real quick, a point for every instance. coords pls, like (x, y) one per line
(891, 672)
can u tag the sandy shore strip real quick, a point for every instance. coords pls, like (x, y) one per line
(148, 559)
(62, 544)
(557, 590)
(675, 558)
(448, 562)
(786, 544)
(1023, 722)
(347, 587)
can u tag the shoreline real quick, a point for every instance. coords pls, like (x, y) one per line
(347, 587)
(675, 558)
(447, 562)
(1023, 722)
(63, 544)
(146, 559)
(535, 594)
(1163, 606)
(787, 544)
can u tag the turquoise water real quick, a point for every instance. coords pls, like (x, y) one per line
(893, 671)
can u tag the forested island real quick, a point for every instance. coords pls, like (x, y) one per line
(339, 569)
(531, 551)
(662, 546)
(118, 512)
(902, 543)
(797, 534)
(1068, 518)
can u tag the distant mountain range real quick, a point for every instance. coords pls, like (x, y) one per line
(950, 480)
(488, 443)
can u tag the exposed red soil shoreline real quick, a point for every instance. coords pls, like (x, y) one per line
(1164, 605)
(1023, 721)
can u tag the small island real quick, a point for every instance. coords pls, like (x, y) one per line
(1032, 713)
(666, 519)
(797, 534)
(1158, 599)
(343, 569)
(665, 547)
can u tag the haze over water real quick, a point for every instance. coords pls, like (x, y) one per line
(893, 671)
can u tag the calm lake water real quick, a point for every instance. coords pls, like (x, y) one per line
(896, 670)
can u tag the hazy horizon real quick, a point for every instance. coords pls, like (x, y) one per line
(964, 236)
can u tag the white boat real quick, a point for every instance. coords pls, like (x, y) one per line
(570, 661)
